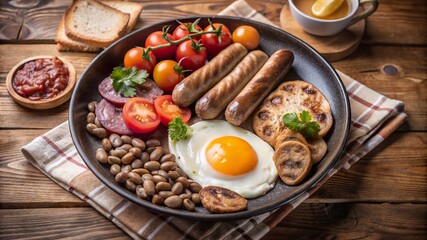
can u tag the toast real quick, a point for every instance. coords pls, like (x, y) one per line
(291, 97)
(131, 8)
(64, 43)
(95, 23)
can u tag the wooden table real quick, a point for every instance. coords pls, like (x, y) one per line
(383, 196)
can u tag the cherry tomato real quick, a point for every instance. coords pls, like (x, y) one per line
(168, 110)
(192, 59)
(166, 75)
(140, 115)
(155, 39)
(211, 42)
(182, 31)
(246, 35)
(134, 57)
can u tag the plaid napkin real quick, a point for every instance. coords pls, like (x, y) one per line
(374, 117)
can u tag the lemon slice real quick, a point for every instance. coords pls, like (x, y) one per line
(323, 8)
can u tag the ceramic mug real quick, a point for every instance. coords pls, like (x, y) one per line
(322, 27)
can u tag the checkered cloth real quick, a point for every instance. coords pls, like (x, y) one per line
(374, 117)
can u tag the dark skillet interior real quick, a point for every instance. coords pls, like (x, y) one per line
(308, 66)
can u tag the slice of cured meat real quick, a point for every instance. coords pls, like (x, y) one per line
(148, 90)
(111, 118)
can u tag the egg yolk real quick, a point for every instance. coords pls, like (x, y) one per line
(231, 155)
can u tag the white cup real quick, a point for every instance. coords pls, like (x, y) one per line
(323, 27)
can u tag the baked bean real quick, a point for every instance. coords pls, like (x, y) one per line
(185, 196)
(149, 187)
(167, 157)
(141, 171)
(114, 160)
(158, 178)
(157, 199)
(97, 122)
(115, 140)
(135, 177)
(147, 176)
(118, 152)
(195, 187)
(114, 169)
(181, 172)
(121, 177)
(195, 197)
(137, 163)
(92, 106)
(140, 192)
(188, 204)
(145, 157)
(126, 168)
(90, 118)
(137, 142)
(184, 181)
(166, 194)
(90, 127)
(100, 132)
(168, 166)
(163, 186)
(173, 175)
(101, 155)
(129, 185)
(161, 173)
(126, 146)
(128, 158)
(156, 154)
(152, 165)
(177, 188)
(152, 143)
(106, 144)
(136, 152)
(173, 202)
(126, 139)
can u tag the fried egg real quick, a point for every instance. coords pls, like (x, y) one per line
(221, 154)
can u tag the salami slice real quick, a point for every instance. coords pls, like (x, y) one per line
(111, 118)
(148, 90)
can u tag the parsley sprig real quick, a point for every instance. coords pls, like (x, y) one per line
(303, 124)
(125, 80)
(178, 130)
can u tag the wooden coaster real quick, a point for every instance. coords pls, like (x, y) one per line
(334, 47)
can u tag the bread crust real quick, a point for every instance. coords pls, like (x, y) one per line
(74, 32)
(291, 97)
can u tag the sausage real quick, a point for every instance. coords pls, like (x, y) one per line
(199, 82)
(273, 71)
(216, 100)
(111, 118)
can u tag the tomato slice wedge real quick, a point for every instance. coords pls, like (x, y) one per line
(140, 115)
(168, 110)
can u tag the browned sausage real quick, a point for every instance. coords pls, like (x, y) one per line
(216, 100)
(273, 71)
(199, 82)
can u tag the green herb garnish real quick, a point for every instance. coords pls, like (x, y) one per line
(178, 130)
(126, 79)
(303, 124)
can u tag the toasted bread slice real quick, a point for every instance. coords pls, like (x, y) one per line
(95, 23)
(132, 8)
(64, 43)
(291, 97)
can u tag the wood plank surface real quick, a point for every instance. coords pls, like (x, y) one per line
(383, 196)
(308, 221)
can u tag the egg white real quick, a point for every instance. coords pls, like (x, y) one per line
(190, 156)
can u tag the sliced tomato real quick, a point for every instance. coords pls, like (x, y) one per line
(140, 115)
(168, 110)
